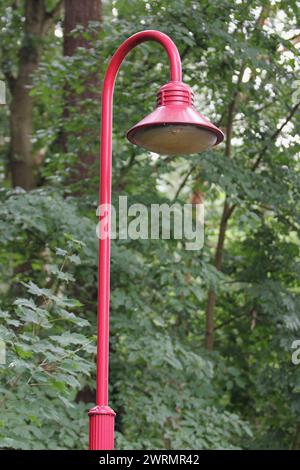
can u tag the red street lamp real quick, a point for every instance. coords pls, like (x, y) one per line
(174, 127)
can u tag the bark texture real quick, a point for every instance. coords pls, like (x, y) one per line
(21, 159)
(80, 14)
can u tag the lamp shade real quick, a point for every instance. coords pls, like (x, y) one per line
(175, 127)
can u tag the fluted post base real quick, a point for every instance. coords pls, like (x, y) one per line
(101, 433)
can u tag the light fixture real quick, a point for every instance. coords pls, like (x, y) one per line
(175, 127)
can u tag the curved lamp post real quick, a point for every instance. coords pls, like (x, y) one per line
(174, 127)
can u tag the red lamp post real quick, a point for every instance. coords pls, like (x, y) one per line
(174, 127)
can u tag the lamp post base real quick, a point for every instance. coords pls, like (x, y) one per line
(101, 429)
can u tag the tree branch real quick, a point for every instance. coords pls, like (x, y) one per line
(274, 136)
(182, 184)
(50, 16)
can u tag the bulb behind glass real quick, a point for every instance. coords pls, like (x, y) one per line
(173, 139)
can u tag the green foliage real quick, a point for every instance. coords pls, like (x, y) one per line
(49, 346)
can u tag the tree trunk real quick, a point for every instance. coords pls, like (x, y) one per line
(211, 302)
(227, 211)
(80, 14)
(21, 161)
(36, 26)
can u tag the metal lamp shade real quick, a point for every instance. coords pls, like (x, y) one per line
(175, 127)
